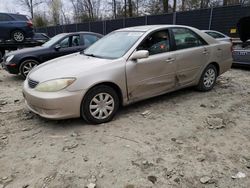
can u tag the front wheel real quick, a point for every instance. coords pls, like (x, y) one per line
(26, 67)
(100, 104)
(208, 78)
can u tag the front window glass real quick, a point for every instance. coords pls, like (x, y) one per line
(53, 40)
(185, 38)
(64, 43)
(156, 43)
(114, 45)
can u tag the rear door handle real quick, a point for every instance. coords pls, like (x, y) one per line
(169, 60)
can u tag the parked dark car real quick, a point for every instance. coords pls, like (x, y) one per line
(22, 61)
(41, 37)
(16, 27)
(241, 52)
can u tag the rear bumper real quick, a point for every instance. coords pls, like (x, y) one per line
(241, 63)
(53, 105)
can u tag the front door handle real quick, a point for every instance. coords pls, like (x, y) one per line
(170, 60)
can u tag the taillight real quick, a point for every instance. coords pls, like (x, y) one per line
(29, 23)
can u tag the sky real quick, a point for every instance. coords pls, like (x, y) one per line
(14, 6)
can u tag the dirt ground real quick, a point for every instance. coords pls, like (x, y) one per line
(185, 139)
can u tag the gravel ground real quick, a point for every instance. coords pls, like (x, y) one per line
(178, 140)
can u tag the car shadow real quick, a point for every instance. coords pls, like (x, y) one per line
(133, 109)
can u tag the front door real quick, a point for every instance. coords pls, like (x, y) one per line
(153, 75)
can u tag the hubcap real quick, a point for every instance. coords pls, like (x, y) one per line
(102, 105)
(27, 67)
(18, 36)
(209, 78)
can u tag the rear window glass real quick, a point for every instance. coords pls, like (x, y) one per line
(215, 35)
(20, 17)
(5, 17)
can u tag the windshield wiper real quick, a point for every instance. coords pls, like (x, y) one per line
(91, 55)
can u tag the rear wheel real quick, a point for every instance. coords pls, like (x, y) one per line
(208, 78)
(18, 36)
(100, 104)
(26, 67)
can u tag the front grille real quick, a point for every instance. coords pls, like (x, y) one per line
(32, 83)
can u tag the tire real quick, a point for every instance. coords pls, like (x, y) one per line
(2, 53)
(208, 78)
(18, 36)
(96, 98)
(26, 67)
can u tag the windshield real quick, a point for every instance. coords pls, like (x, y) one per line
(114, 45)
(53, 40)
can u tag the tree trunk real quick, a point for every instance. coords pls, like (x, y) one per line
(130, 8)
(125, 8)
(174, 6)
(31, 9)
(114, 8)
(183, 5)
(165, 6)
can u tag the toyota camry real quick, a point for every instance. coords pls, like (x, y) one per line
(125, 66)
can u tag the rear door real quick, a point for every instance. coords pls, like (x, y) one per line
(192, 53)
(6, 24)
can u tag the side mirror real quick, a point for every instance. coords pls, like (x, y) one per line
(141, 54)
(57, 47)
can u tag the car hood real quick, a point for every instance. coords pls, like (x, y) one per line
(27, 50)
(244, 29)
(71, 65)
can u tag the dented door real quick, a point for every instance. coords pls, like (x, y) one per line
(151, 76)
(189, 63)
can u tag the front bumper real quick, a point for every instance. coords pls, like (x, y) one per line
(53, 105)
(11, 68)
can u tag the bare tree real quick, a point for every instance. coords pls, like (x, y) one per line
(55, 7)
(30, 5)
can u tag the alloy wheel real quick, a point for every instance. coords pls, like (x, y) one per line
(27, 67)
(18, 36)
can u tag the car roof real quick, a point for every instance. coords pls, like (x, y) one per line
(146, 28)
(81, 32)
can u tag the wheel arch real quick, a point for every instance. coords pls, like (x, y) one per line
(16, 29)
(217, 66)
(113, 86)
(25, 59)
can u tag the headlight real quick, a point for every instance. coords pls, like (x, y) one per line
(54, 85)
(9, 58)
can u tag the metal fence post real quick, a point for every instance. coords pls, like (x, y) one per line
(146, 20)
(211, 18)
(103, 27)
(89, 26)
(124, 24)
(174, 18)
